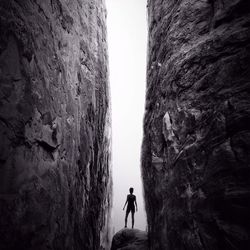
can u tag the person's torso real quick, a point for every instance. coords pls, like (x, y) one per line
(131, 200)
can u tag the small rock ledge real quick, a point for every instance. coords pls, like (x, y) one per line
(130, 239)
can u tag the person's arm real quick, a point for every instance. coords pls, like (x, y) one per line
(136, 204)
(125, 203)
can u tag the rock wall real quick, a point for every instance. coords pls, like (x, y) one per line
(196, 146)
(55, 185)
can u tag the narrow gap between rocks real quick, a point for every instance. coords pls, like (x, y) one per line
(127, 41)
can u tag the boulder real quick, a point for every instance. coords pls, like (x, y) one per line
(130, 239)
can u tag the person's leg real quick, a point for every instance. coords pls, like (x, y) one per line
(133, 218)
(126, 217)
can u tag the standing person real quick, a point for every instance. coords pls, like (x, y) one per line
(131, 201)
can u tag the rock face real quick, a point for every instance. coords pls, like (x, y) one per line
(196, 147)
(130, 239)
(55, 185)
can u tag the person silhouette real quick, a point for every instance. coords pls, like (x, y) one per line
(131, 201)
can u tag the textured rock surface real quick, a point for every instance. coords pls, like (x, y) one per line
(130, 239)
(196, 148)
(55, 186)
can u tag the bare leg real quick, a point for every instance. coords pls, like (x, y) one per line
(133, 219)
(126, 218)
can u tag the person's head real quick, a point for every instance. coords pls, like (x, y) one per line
(131, 190)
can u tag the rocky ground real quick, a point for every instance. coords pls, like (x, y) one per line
(130, 239)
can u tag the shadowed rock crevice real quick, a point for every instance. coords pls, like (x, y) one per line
(196, 146)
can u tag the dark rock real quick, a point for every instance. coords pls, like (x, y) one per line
(55, 181)
(196, 147)
(130, 239)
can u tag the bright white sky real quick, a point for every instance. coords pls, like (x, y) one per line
(127, 40)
